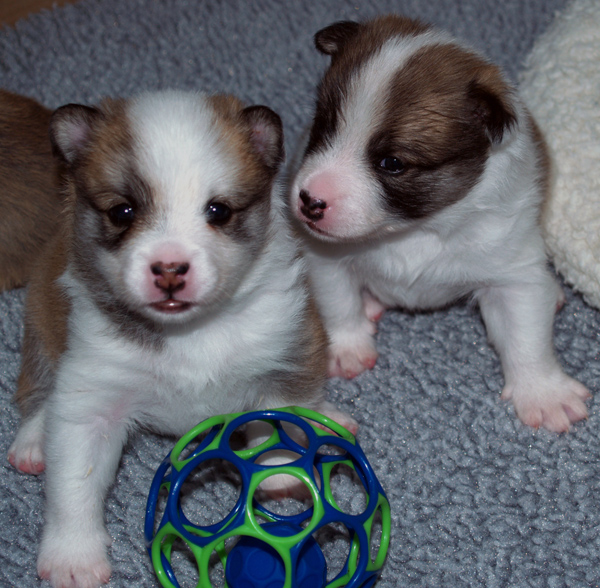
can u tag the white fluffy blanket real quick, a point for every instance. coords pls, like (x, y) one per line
(561, 85)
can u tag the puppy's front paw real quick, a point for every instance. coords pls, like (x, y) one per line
(555, 402)
(352, 354)
(26, 453)
(74, 564)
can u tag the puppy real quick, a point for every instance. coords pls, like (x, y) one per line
(172, 291)
(421, 184)
(31, 202)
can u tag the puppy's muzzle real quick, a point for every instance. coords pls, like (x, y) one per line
(312, 208)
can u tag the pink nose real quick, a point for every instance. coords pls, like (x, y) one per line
(170, 276)
(312, 208)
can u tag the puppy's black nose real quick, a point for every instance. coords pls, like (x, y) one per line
(169, 276)
(312, 208)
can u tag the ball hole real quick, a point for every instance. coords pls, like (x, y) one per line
(261, 435)
(284, 495)
(348, 490)
(253, 434)
(292, 435)
(277, 457)
(216, 570)
(210, 492)
(331, 449)
(183, 564)
(334, 541)
(159, 508)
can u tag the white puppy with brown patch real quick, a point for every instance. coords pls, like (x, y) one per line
(173, 291)
(421, 184)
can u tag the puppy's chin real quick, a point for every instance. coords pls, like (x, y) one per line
(330, 236)
(350, 234)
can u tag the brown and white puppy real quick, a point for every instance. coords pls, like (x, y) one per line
(421, 184)
(30, 201)
(173, 291)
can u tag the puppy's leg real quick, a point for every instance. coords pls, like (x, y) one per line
(26, 453)
(519, 320)
(340, 299)
(82, 455)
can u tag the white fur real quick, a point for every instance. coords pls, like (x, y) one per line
(487, 245)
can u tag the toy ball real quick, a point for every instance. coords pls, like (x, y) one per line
(259, 548)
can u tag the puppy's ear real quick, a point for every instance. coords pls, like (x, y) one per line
(71, 130)
(266, 134)
(330, 39)
(493, 108)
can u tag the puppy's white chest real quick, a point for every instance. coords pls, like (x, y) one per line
(417, 272)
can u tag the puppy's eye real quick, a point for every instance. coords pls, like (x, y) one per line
(217, 214)
(391, 165)
(121, 215)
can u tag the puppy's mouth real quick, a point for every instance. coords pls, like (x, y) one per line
(319, 233)
(313, 227)
(171, 306)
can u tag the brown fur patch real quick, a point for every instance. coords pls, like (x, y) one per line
(101, 171)
(30, 199)
(103, 174)
(46, 312)
(309, 354)
(441, 104)
(444, 110)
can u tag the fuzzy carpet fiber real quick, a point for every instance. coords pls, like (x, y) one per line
(477, 498)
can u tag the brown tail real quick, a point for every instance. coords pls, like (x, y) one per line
(30, 197)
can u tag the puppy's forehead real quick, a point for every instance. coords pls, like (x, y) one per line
(359, 81)
(191, 143)
(371, 83)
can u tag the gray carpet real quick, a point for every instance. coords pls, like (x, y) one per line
(477, 499)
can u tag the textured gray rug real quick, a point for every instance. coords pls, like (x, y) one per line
(477, 499)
